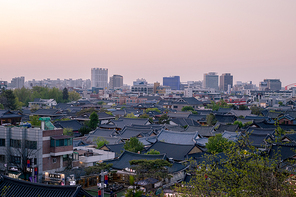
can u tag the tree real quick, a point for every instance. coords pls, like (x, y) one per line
(100, 141)
(152, 152)
(255, 110)
(131, 115)
(133, 145)
(241, 172)
(101, 103)
(151, 168)
(68, 131)
(243, 107)
(218, 144)
(86, 111)
(247, 124)
(84, 130)
(220, 104)
(74, 96)
(211, 119)
(34, 120)
(7, 99)
(94, 120)
(281, 103)
(98, 168)
(65, 94)
(18, 104)
(164, 119)
(22, 151)
(152, 109)
(1, 106)
(239, 123)
(187, 108)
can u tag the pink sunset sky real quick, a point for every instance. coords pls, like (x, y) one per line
(252, 39)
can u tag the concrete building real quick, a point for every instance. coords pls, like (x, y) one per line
(99, 78)
(141, 86)
(25, 150)
(116, 81)
(17, 82)
(273, 84)
(210, 80)
(225, 80)
(173, 82)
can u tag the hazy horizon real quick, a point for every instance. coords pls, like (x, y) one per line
(252, 40)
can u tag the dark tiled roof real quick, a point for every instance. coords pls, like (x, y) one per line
(232, 136)
(178, 152)
(282, 151)
(104, 116)
(186, 138)
(122, 122)
(273, 115)
(9, 114)
(238, 113)
(199, 118)
(206, 131)
(185, 121)
(72, 124)
(116, 148)
(224, 110)
(286, 116)
(123, 161)
(266, 125)
(222, 128)
(177, 167)
(48, 112)
(179, 114)
(192, 101)
(128, 132)
(14, 187)
(204, 112)
(258, 137)
(148, 141)
(225, 118)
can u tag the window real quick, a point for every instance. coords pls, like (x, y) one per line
(2, 142)
(31, 144)
(54, 160)
(15, 143)
(61, 142)
(15, 159)
(51, 143)
(2, 158)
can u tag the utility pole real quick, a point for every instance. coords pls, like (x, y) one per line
(102, 185)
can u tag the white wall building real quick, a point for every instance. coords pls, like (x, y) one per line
(99, 77)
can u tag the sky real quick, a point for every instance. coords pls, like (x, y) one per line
(253, 40)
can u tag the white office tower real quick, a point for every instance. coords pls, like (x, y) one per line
(210, 81)
(99, 77)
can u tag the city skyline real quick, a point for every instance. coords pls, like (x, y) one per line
(251, 40)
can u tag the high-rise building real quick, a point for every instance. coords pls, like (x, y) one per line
(116, 81)
(210, 80)
(225, 80)
(17, 82)
(99, 77)
(173, 82)
(273, 84)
